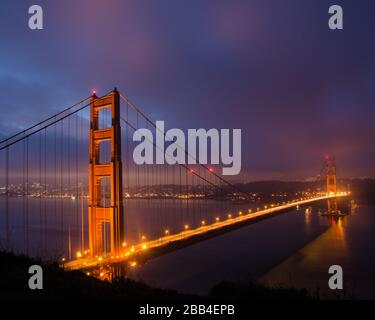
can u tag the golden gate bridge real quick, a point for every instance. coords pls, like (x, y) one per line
(116, 212)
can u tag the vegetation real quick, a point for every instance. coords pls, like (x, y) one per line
(59, 284)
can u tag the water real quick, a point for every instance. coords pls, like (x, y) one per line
(294, 248)
(240, 255)
(52, 228)
(348, 243)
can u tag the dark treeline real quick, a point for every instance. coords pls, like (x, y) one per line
(60, 284)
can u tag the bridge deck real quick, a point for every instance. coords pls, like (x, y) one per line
(130, 253)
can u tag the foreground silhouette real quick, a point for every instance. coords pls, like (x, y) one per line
(59, 284)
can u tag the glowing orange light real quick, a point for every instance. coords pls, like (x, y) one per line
(133, 263)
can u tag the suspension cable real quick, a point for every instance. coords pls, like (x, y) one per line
(125, 98)
(41, 122)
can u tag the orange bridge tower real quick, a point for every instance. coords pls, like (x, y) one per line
(106, 218)
(331, 182)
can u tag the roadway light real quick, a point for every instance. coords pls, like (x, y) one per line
(186, 226)
(203, 222)
(166, 231)
(229, 216)
(217, 219)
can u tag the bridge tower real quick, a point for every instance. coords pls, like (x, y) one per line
(331, 183)
(103, 217)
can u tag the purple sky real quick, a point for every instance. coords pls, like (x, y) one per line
(272, 68)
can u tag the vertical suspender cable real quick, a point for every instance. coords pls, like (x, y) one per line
(7, 240)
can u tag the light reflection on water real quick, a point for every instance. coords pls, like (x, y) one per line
(348, 243)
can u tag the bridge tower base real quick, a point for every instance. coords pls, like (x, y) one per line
(331, 183)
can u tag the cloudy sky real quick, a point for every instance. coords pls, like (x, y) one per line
(273, 68)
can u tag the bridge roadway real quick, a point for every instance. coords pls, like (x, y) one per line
(130, 254)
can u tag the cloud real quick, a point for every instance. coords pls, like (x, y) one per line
(274, 70)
